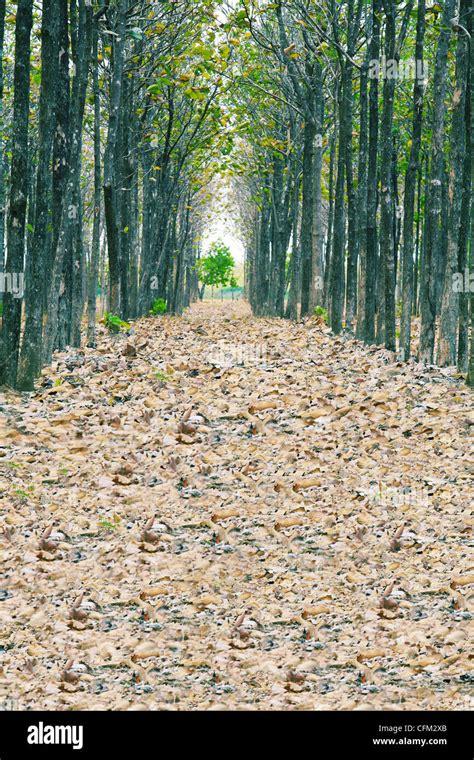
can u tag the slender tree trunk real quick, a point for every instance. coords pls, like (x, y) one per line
(463, 248)
(318, 228)
(337, 280)
(95, 248)
(11, 319)
(411, 178)
(372, 196)
(447, 341)
(294, 294)
(362, 193)
(386, 205)
(62, 140)
(126, 179)
(72, 215)
(432, 244)
(470, 126)
(307, 227)
(2, 146)
(30, 362)
(352, 222)
(110, 177)
(418, 241)
(330, 229)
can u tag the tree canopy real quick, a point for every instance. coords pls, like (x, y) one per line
(216, 267)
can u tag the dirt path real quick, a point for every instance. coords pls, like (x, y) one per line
(312, 505)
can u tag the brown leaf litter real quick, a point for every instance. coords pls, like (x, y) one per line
(224, 512)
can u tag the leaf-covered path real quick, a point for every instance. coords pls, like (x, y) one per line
(245, 513)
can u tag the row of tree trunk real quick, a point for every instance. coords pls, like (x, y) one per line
(138, 237)
(392, 238)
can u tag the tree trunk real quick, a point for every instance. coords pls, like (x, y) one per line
(432, 243)
(470, 127)
(352, 223)
(411, 179)
(11, 320)
(95, 247)
(447, 341)
(337, 279)
(2, 146)
(463, 248)
(70, 233)
(386, 205)
(372, 196)
(307, 227)
(362, 193)
(110, 175)
(30, 362)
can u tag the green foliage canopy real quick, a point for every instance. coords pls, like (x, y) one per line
(216, 267)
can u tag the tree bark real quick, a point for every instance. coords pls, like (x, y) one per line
(95, 247)
(30, 362)
(432, 243)
(372, 195)
(447, 339)
(110, 178)
(411, 179)
(11, 319)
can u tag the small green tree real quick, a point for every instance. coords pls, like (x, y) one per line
(216, 267)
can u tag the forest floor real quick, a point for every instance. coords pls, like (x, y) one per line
(220, 512)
